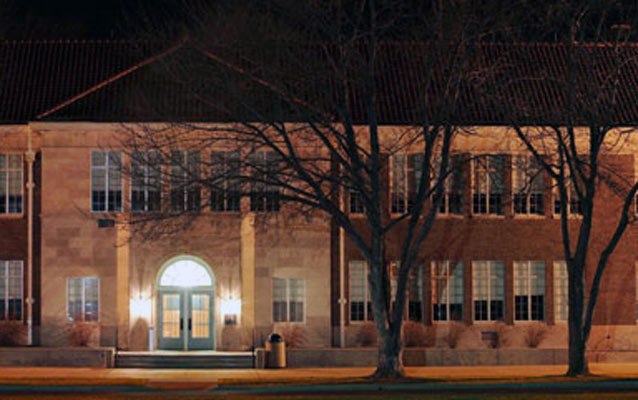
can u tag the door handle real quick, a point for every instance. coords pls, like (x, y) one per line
(190, 325)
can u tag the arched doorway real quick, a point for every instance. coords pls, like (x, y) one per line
(186, 293)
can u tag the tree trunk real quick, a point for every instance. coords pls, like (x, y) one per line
(577, 337)
(577, 356)
(390, 363)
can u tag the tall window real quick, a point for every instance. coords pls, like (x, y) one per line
(453, 186)
(488, 184)
(447, 291)
(226, 193)
(146, 181)
(83, 299)
(11, 290)
(264, 194)
(356, 202)
(288, 300)
(10, 184)
(406, 174)
(574, 206)
(529, 290)
(528, 186)
(106, 181)
(185, 187)
(561, 288)
(488, 283)
(360, 305)
(415, 293)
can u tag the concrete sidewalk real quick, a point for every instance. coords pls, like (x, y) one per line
(209, 379)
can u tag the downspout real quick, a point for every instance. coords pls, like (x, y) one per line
(342, 275)
(30, 158)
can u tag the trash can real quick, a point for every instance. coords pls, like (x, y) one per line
(276, 351)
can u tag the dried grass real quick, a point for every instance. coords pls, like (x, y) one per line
(535, 334)
(454, 332)
(416, 334)
(81, 334)
(294, 335)
(367, 334)
(10, 334)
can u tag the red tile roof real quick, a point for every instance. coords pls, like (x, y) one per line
(127, 81)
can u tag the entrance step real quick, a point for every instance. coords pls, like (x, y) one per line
(184, 359)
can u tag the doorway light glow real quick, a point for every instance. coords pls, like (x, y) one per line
(185, 273)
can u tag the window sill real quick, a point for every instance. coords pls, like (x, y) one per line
(569, 216)
(487, 216)
(12, 216)
(530, 216)
(450, 216)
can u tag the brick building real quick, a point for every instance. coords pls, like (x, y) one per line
(229, 279)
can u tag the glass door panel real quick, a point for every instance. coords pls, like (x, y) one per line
(200, 322)
(171, 324)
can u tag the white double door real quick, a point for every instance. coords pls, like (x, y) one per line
(185, 319)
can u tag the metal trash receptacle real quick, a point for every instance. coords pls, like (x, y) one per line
(276, 351)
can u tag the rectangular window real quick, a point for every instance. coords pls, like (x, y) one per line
(10, 184)
(185, 185)
(415, 293)
(528, 186)
(488, 283)
(453, 186)
(447, 291)
(529, 290)
(406, 170)
(146, 181)
(226, 192)
(574, 204)
(288, 300)
(356, 202)
(561, 288)
(264, 194)
(360, 304)
(11, 282)
(488, 184)
(106, 181)
(83, 299)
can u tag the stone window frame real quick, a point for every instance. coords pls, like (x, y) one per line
(533, 280)
(492, 286)
(142, 160)
(108, 169)
(450, 281)
(288, 300)
(483, 176)
(6, 285)
(367, 300)
(226, 164)
(83, 300)
(527, 186)
(6, 183)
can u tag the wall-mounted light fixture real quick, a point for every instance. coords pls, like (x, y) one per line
(141, 306)
(231, 308)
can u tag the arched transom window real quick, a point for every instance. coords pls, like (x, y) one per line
(185, 273)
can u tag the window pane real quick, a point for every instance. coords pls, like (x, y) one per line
(560, 291)
(15, 282)
(297, 296)
(74, 298)
(280, 312)
(357, 290)
(91, 293)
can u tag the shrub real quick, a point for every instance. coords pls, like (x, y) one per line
(367, 334)
(454, 332)
(534, 335)
(418, 335)
(81, 333)
(9, 334)
(294, 334)
(501, 339)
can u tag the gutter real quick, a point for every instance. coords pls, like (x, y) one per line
(30, 158)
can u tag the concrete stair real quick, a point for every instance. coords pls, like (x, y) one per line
(184, 359)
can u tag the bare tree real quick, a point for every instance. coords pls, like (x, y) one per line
(574, 138)
(315, 113)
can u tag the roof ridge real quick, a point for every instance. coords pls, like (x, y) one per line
(74, 41)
